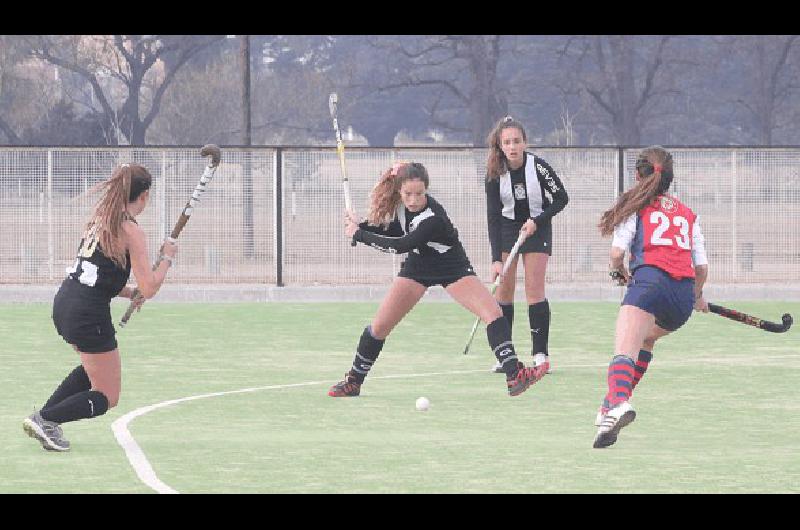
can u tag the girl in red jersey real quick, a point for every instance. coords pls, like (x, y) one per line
(668, 267)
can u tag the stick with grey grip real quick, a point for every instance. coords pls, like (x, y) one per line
(213, 152)
(506, 265)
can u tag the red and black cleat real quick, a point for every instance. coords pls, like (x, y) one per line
(526, 376)
(346, 388)
(540, 370)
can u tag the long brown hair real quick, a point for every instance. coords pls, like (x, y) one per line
(127, 182)
(496, 163)
(385, 195)
(654, 167)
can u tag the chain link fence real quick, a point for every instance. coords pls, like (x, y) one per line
(274, 216)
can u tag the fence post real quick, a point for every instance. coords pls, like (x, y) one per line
(621, 170)
(734, 200)
(163, 189)
(278, 195)
(50, 213)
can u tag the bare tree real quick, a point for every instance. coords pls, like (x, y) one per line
(771, 86)
(623, 75)
(463, 70)
(139, 67)
(22, 90)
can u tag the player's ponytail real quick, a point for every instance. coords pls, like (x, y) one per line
(385, 195)
(127, 183)
(654, 168)
(496, 163)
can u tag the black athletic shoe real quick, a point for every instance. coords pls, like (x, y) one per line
(346, 388)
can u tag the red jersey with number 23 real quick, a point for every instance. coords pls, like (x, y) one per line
(664, 232)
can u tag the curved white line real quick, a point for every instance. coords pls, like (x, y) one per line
(147, 475)
(135, 454)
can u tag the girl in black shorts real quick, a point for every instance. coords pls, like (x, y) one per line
(111, 246)
(404, 219)
(523, 193)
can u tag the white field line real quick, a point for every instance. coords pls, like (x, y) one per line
(147, 475)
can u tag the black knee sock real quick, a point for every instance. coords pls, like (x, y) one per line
(367, 353)
(76, 381)
(539, 317)
(508, 312)
(87, 404)
(499, 334)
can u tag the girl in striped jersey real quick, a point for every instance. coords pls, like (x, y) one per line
(668, 267)
(403, 218)
(523, 193)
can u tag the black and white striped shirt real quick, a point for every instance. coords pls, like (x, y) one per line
(533, 191)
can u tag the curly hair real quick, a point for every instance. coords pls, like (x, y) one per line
(385, 195)
(654, 167)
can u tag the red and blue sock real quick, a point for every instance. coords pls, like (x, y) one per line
(620, 379)
(642, 362)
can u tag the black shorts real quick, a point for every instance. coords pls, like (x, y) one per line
(83, 320)
(541, 241)
(442, 274)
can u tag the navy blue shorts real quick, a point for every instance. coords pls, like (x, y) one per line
(671, 301)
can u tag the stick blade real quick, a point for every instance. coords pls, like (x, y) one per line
(214, 152)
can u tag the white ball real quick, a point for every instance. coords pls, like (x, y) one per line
(423, 404)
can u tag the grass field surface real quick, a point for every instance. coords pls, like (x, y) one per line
(718, 410)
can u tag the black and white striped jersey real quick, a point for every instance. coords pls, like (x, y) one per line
(95, 271)
(533, 191)
(428, 236)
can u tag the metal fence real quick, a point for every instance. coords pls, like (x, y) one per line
(274, 215)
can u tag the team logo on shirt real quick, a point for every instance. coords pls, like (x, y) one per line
(668, 205)
(519, 191)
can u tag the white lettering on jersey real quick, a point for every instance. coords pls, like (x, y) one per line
(551, 183)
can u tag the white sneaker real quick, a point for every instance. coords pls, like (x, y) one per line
(616, 418)
(598, 420)
(48, 433)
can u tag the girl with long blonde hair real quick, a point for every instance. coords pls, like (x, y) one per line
(112, 245)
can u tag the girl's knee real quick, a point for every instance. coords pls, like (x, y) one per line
(490, 315)
(111, 395)
(379, 331)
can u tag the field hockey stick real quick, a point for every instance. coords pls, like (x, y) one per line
(618, 277)
(506, 265)
(214, 154)
(333, 99)
(750, 320)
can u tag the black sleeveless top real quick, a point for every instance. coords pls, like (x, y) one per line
(96, 272)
